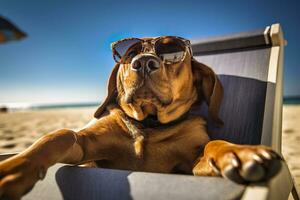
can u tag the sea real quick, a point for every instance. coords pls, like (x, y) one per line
(11, 107)
(294, 100)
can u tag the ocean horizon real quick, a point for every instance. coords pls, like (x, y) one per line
(294, 100)
(290, 100)
(40, 106)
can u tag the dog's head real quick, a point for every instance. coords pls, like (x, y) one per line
(160, 77)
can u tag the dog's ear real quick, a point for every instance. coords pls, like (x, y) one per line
(208, 87)
(111, 92)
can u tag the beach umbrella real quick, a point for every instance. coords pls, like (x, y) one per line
(9, 32)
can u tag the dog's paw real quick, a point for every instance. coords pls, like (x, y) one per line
(244, 164)
(17, 177)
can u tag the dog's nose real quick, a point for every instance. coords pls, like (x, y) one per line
(147, 62)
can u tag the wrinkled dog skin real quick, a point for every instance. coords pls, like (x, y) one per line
(174, 142)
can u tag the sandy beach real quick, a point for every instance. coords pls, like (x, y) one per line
(18, 130)
(291, 140)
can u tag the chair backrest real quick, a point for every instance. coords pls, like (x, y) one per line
(249, 66)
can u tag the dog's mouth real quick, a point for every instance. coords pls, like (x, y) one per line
(145, 95)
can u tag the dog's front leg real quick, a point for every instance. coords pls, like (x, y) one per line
(19, 173)
(239, 163)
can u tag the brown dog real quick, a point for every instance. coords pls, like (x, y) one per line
(144, 124)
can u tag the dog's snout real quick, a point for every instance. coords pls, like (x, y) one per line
(152, 64)
(147, 62)
(137, 65)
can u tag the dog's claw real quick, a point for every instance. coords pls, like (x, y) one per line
(276, 155)
(257, 158)
(266, 154)
(235, 161)
(213, 165)
(252, 171)
(232, 173)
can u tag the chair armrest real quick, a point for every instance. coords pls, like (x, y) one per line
(278, 188)
(74, 182)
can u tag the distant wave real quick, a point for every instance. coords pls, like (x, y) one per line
(29, 106)
(291, 100)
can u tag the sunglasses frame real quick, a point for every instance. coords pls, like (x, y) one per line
(153, 41)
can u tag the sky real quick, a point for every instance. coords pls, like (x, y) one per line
(67, 56)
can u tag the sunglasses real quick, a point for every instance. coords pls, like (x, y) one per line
(170, 49)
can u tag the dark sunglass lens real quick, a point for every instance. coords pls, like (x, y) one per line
(127, 48)
(170, 50)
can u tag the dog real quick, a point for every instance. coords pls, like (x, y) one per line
(144, 124)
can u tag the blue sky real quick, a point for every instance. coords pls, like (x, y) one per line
(67, 56)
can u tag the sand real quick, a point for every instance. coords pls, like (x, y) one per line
(291, 140)
(19, 129)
